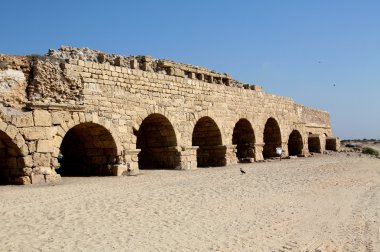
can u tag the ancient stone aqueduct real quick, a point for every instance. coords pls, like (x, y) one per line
(80, 112)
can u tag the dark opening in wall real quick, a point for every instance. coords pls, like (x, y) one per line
(314, 143)
(244, 139)
(11, 162)
(207, 136)
(87, 149)
(158, 143)
(331, 143)
(295, 143)
(272, 138)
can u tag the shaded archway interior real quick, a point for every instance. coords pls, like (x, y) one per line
(244, 138)
(295, 143)
(314, 143)
(207, 137)
(11, 161)
(331, 143)
(158, 143)
(88, 149)
(272, 138)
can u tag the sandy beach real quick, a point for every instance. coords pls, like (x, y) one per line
(321, 203)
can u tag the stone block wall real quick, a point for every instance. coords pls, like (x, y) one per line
(102, 114)
(53, 82)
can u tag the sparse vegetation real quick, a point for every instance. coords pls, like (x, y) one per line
(370, 151)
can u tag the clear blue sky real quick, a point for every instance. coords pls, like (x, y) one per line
(293, 48)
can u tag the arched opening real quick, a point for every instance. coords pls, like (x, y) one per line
(295, 143)
(272, 138)
(244, 139)
(87, 149)
(332, 143)
(11, 161)
(207, 137)
(157, 140)
(314, 143)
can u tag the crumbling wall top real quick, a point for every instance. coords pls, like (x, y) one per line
(14, 76)
(147, 63)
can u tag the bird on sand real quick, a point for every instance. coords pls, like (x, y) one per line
(242, 171)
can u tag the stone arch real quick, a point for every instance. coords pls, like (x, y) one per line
(295, 143)
(314, 143)
(272, 138)
(158, 143)
(161, 111)
(207, 136)
(208, 114)
(244, 138)
(11, 160)
(89, 118)
(88, 149)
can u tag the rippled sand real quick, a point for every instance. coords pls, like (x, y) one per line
(322, 203)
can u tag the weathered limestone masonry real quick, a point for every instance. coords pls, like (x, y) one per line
(80, 112)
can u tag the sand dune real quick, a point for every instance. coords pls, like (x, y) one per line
(323, 203)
